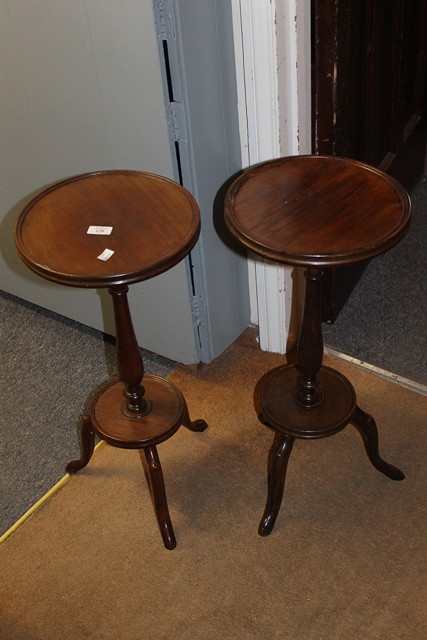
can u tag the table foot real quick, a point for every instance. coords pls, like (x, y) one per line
(193, 425)
(158, 494)
(87, 445)
(367, 427)
(278, 458)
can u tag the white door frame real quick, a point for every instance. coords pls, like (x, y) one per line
(272, 50)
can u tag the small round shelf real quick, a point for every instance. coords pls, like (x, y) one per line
(115, 426)
(277, 391)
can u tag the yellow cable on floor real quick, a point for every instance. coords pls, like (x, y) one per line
(61, 483)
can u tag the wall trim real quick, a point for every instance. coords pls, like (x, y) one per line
(272, 44)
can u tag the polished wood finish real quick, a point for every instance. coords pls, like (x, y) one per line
(281, 409)
(156, 424)
(155, 223)
(312, 216)
(158, 492)
(318, 212)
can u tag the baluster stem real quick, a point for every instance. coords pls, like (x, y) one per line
(130, 365)
(310, 342)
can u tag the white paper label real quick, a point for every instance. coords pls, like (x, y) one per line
(99, 231)
(105, 255)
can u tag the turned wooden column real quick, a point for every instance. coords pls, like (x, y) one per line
(130, 366)
(310, 342)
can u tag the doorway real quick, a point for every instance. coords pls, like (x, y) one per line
(384, 321)
(369, 102)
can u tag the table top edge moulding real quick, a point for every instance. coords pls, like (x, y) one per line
(135, 257)
(297, 182)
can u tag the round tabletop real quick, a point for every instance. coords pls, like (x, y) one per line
(317, 210)
(107, 228)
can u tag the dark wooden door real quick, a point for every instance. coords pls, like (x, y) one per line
(369, 68)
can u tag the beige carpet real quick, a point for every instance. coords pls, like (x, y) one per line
(345, 561)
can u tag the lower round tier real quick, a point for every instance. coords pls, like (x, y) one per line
(115, 427)
(277, 408)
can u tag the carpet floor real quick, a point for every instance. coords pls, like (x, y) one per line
(384, 321)
(346, 560)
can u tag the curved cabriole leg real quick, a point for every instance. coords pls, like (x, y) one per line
(367, 427)
(87, 445)
(278, 458)
(158, 495)
(193, 425)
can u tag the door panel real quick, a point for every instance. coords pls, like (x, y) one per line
(369, 95)
(198, 35)
(82, 91)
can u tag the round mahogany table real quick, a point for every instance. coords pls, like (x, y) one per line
(317, 212)
(112, 229)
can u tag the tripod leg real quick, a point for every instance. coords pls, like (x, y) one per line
(278, 458)
(195, 425)
(87, 445)
(367, 427)
(158, 495)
